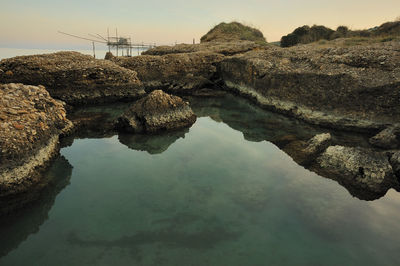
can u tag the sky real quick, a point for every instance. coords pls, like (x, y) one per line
(35, 23)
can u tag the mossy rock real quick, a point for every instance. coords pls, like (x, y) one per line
(233, 31)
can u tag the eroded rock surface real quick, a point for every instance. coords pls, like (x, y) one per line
(318, 144)
(395, 162)
(178, 73)
(388, 138)
(156, 112)
(73, 77)
(31, 122)
(355, 88)
(358, 169)
(225, 48)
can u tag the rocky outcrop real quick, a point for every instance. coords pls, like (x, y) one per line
(388, 138)
(355, 88)
(156, 112)
(358, 169)
(233, 31)
(73, 77)
(178, 73)
(225, 48)
(31, 122)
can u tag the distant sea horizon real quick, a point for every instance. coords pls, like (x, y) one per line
(12, 52)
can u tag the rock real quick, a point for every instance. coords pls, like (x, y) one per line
(318, 144)
(360, 170)
(323, 86)
(29, 138)
(304, 153)
(108, 56)
(224, 48)
(233, 31)
(178, 73)
(73, 77)
(395, 162)
(156, 112)
(388, 138)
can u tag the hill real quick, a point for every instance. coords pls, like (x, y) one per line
(233, 31)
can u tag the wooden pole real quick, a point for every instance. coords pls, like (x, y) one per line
(94, 50)
(108, 40)
(116, 36)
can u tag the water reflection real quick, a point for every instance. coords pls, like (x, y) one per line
(211, 198)
(255, 123)
(16, 227)
(153, 144)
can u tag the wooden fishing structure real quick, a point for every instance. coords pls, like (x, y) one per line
(119, 43)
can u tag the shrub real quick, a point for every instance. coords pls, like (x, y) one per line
(289, 40)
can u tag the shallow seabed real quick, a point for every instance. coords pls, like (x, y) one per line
(204, 196)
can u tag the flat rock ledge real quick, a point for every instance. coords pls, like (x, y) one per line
(73, 77)
(156, 112)
(181, 73)
(354, 88)
(30, 124)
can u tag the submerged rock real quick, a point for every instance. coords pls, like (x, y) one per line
(73, 77)
(31, 122)
(358, 169)
(388, 138)
(158, 111)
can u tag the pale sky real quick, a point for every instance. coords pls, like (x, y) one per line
(34, 23)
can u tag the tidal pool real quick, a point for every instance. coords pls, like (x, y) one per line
(219, 193)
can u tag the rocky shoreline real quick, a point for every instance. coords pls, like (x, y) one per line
(354, 88)
(31, 123)
(73, 77)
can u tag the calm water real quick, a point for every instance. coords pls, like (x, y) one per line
(216, 194)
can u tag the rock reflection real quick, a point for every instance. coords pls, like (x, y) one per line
(289, 135)
(153, 144)
(17, 226)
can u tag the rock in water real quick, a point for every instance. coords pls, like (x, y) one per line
(318, 144)
(31, 122)
(387, 138)
(156, 112)
(358, 169)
